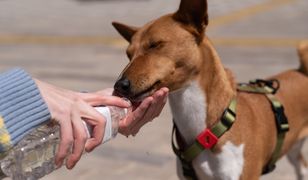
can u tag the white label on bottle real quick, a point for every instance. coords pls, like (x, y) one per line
(108, 129)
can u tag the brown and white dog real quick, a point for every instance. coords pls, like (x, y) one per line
(173, 51)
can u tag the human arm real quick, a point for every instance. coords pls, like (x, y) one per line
(26, 103)
(21, 107)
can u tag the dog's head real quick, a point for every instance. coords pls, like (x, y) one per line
(163, 53)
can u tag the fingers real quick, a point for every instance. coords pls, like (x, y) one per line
(90, 115)
(69, 108)
(73, 132)
(80, 137)
(97, 137)
(98, 122)
(126, 124)
(149, 109)
(161, 102)
(65, 142)
(137, 114)
(152, 112)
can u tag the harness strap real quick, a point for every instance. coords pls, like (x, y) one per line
(205, 140)
(260, 86)
(209, 137)
(187, 168)
(226, 121)
(282, 129)
(267, 88)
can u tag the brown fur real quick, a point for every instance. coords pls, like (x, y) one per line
(173, 51)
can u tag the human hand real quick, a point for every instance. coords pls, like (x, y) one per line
(69, 109)
(145, 112)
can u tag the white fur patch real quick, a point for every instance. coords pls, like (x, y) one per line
(189, 109)
(227, 165)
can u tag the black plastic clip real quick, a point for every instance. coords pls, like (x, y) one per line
(282, 121)
(273, 84)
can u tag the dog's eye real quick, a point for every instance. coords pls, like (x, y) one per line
(155, 44)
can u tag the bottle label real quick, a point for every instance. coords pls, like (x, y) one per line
(108, 129)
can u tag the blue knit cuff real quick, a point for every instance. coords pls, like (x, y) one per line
(21, 106)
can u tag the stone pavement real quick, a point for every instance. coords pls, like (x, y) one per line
(71, 43)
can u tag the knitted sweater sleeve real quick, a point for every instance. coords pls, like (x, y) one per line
(21, 107)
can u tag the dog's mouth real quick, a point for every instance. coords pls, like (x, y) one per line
(146, 93)
(138, 97)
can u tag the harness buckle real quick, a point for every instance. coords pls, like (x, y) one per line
(207, 139)
(228, 117)
(282, 121)
(273, 85)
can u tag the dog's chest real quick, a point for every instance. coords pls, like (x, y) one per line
(189, 109)
(189, 112)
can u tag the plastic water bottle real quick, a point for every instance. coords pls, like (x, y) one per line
(34, 156)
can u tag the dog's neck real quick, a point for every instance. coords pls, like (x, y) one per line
(188, 106)
(202, 103)
(217, 83)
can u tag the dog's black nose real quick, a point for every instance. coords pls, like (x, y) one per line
(122, 86)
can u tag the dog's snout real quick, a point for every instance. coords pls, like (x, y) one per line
(122, 86)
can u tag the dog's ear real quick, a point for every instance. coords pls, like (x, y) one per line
(126, 31)
(193, 13)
